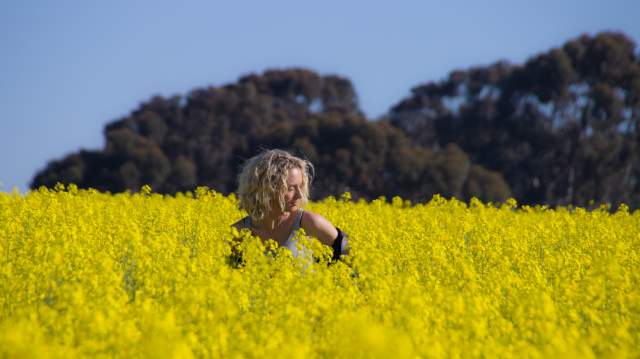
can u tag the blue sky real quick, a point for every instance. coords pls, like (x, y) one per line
(69, 67)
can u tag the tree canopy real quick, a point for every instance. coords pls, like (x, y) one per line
(560, 129)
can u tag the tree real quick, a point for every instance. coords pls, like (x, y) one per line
(562, 128)
(176, 144)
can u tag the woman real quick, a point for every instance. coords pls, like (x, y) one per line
(273, 188)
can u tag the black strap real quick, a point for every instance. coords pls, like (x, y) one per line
(337, 244)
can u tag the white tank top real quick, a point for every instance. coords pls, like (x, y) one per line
(291, 241)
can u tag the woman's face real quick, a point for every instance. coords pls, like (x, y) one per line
(293, 194)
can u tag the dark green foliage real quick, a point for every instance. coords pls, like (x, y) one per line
(177, 144)
(560, 129)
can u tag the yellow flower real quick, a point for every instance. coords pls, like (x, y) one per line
(85, 274)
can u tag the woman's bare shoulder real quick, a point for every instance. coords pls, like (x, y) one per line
(318, 226)
(314, 218)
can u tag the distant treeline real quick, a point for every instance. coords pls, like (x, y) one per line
(560, 129)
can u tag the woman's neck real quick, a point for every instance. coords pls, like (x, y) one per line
(272, 221)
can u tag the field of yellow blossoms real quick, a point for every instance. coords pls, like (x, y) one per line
(88, 274)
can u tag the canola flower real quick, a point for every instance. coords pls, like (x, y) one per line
(89, 274)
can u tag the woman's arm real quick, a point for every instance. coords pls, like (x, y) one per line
(317, 226)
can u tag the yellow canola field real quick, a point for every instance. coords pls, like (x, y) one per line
(88, 274)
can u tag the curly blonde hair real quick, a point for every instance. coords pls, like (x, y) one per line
(262, 181)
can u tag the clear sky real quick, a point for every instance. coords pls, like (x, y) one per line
(69, 67)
